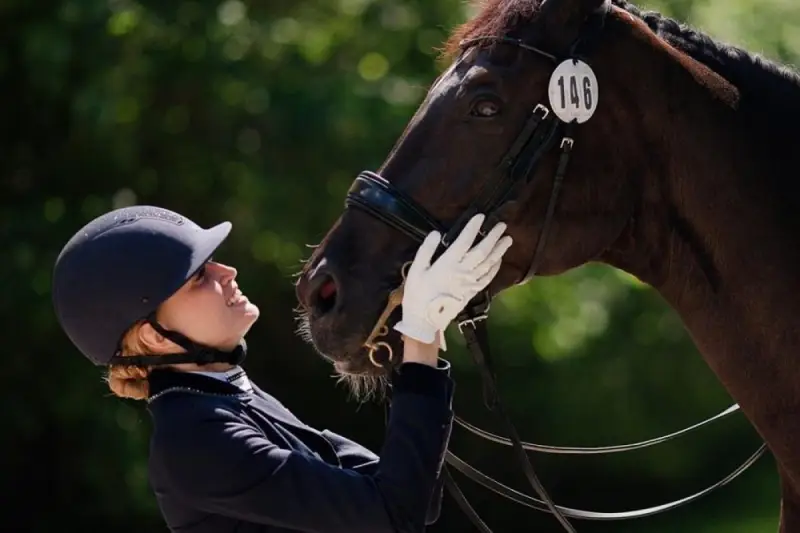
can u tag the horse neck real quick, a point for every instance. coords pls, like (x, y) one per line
(717, 238)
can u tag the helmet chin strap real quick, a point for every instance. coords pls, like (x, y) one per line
(195, 353)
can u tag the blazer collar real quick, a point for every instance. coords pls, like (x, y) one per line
(162, 379)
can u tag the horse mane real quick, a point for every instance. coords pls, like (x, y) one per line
(764, 85)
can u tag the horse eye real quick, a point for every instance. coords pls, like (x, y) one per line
(485, 108)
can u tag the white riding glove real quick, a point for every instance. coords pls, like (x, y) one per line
(435, 294)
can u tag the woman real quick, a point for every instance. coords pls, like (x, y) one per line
(137, 292)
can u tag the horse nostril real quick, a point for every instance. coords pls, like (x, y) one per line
(324, 293)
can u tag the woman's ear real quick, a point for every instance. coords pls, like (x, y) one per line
(152, 340)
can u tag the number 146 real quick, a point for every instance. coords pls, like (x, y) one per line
(574, 96)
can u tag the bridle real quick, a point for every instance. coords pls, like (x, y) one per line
(376, 196)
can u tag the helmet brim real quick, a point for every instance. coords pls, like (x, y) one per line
(206, 245)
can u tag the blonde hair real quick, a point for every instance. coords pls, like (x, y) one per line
(130, 381)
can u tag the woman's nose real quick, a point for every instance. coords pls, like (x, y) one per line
(226, 273)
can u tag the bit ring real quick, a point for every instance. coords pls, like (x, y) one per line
(374, 349)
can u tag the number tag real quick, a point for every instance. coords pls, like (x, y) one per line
(573, 91)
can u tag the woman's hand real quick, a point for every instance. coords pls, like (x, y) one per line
(435, 294)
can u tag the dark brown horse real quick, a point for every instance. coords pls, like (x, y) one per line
(683, 177)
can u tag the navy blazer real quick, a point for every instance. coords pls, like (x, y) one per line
(223, 460)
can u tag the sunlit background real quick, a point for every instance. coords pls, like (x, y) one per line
(262, 113)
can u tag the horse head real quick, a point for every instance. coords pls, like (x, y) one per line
(549, 118)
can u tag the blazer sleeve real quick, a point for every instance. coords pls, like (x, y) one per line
(351, 454)
(223, 465)
(360, 459)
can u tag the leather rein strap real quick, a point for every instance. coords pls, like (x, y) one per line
(374, 195)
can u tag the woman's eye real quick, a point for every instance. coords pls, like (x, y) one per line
(485, 108)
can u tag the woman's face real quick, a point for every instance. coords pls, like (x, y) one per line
(210, 309)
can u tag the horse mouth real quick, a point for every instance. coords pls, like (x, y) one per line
(354, 369)
(358, 366)
(346, 348)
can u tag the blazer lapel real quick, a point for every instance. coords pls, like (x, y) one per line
(312, 437)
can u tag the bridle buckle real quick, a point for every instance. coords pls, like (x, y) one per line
(543, 109)
(472, 321)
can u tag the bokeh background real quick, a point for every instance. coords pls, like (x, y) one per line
(262, 113)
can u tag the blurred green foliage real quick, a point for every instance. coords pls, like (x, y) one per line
(262, 113)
